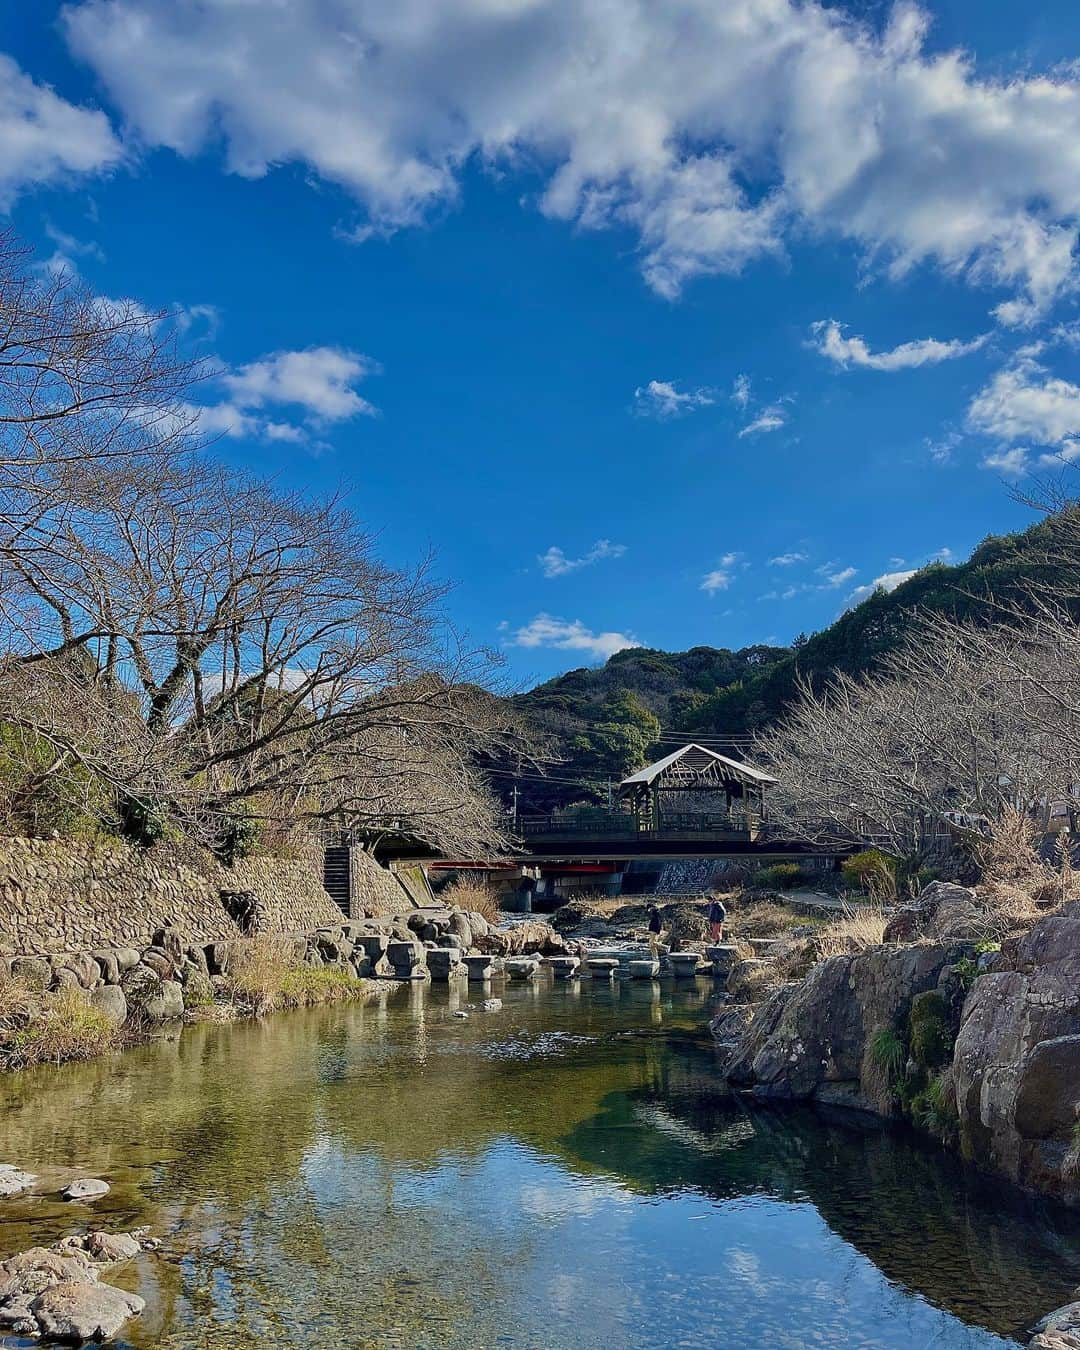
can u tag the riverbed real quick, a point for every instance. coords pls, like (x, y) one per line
(564, 1171)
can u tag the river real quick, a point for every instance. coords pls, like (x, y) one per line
(565, 1171)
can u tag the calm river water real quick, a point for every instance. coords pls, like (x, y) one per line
(563, 1172)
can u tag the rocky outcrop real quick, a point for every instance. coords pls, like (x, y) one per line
(1016, 1063)
(989, 1046)
(816, 1039)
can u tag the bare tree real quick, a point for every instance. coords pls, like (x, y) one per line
(82, 378)
(214, 649)
(960, 726)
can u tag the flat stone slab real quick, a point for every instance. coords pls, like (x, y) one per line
(13, 1181)
(520, 968)
(644, 970)
(563, 967)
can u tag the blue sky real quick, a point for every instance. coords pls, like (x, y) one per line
(672, 323)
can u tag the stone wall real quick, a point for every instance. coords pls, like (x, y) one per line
(59, 895)
(374, 889)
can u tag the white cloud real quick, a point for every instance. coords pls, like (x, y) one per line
(555, 563)
(771, 418)
(839, 577)
(721, 577)
(319, 380)
(45, 139)
(226, 419)
(661, 399)
(787, 559)
(740, 391)
(562, 635)
(760, 118)
(888, 581)
(829, 340)
(1023, 402)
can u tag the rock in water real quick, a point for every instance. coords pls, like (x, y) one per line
(14, 1182)
(111, 1247)
(491, 1004)
(73, 1313)
(86, 1188)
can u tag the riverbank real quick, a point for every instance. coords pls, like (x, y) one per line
(975, 1042)
(567, 1169)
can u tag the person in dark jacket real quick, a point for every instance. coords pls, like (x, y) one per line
(717, 919)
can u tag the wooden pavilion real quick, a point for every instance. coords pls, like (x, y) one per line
(697, 789)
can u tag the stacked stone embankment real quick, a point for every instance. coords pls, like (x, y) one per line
(60, 895)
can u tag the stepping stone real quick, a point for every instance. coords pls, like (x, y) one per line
(684, 965)
(722, 956)
(602, 967)
(479, 968)
(644, 970)
(563, 967)
(13, 1181)
(405, 956)
(444, 962)
(521, 967)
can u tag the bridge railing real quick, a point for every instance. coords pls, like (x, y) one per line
(623, 825)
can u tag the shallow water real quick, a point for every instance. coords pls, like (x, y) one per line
(564, 1172)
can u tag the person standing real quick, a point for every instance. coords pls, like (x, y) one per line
(717, 919)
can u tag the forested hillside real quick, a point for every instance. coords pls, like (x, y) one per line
(601, 723)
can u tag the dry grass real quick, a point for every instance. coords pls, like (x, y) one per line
(855, 932)
(474, 897)
(41, 1028)
(267, 977)
(1019, 885)
(761, 918)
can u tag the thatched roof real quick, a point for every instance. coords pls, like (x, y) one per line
(695, 766)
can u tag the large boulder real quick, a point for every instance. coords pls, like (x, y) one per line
(942, 910)
(151, 997)
(1017, 1061)
(73, 1313)
(110, 1000)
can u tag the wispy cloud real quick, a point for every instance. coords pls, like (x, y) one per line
(828, 339)
(545, 630)
(769, 419)
(721, 577)
(1024, 402)
(787, 559)
(555, 563)
(740, 391)
(662, 400)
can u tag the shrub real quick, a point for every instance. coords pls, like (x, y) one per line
(871, 871)
(931, 1037)
(934, 1109)
(782, 876)
(888, 1052)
